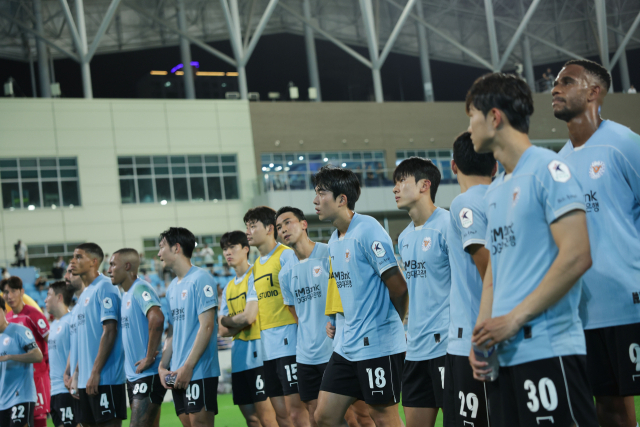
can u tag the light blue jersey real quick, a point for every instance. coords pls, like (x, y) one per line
(135, 328)
(607, 167)
(468, 226)
(372, 325)
(59, 345)
(520, 210)
(425, 254)
(73, 337)
(245, 355)
(16, 378)
(338, 322)
(189, 298)
(99, 302)
(304, 286)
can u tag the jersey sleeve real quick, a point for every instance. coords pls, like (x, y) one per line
(252, 295)
(26, 339)
(559, 190)
(41, 325)
(285, 278)
(146, 298)
(378, 248)
(470, 222)
(630, 164)
(206, 294)
(224, 309)
(109, 304)
(287, 256)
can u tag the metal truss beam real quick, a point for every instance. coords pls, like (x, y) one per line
(518, 33)
(625, 41)
(372, 42)
(104, 25)
(493, 36)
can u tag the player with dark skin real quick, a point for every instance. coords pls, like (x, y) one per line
(577, 98)
(123, 270)
(76, 283)
(86, 266)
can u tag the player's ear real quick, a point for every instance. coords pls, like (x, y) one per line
(496, 117)
(454, 167)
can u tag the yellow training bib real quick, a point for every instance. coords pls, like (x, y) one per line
(273, 312)
(334, 303)
(237, 301)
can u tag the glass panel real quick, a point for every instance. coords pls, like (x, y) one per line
(149, 243)
(30, 194)
(125, 161)
(208, 240)
(161, 170)
(357, 156)
(327, 233)
(8, 163)
(177, 160)
(160, 160)
(379, 155)
(28, 173)
(48, 173)
(163, 189)
(50, 194)
(228, 168)
(411, 153)
(68, 173)
(313, 233)
(333, 156)
(445, 154)
(194, 160)
(215, 190)
(28, 163)
(315, 156)
(432, 154)
(125, 171)
(179, 170)
(297, 181)
(127, 191)
(197, 188)
(195, 169)
(345, 156)
(143, 171)
(9, 174)
(228, 159)
(230, 187)
(180, 190)
(36, 250)
(213, 169)
(55, 249)
(289, 157)
(367, 155)
(143, 160)
(216, 159)
(145, 190)
(70, 193)
(10, 195)
(278, 157)
(47, 163)
(264, 158)
(67, 162)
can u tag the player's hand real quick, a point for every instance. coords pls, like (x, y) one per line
(183, 377)
(74, 388)
(479, 368)
(67, 381)
(163, 374)
(92, 384)
(146, 363)
(4, 358)
(495, 330)
(331, 330)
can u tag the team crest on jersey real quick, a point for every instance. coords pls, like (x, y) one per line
(208, 291)
(559, 171)
(184, 294)
(28, 334)
(466, 217)
(59, 329)
(128, 304)
(426, 244)
(317, 271)
(86, 301)
(378, 249)
(107, 303)
(6, 341)
(42, 323)
(347, 255)
(515, 196)
(596, 170)
(146, 296)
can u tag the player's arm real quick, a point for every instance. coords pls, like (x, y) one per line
(481, 257)
(292, 310)
(34, 355)
(107, 341)
(224, 331)
(167, 352)
(573, 260)
(156, 327)
(486, 304)
(241, 320)
(331, 327)
(207, 325)
(397, 286)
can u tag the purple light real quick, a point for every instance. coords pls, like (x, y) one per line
(176, 68)
(180, 66)
(195, 64)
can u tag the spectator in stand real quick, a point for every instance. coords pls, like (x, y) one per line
(59, 267)
(22, 254)
(104, 267)
(550, 79)
(207, 256)
(632, 90)
(5, 273)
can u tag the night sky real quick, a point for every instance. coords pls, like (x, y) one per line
(278, 60)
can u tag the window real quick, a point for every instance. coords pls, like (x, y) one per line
(441, 158)
(52, 250)
(320, 234)
(294, 171)
(152, 244)
(30, 183)
(193, 178)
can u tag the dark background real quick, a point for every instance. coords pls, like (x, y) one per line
(278, 60)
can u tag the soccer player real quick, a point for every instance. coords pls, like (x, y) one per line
(71, 372)
(193, 349)
(465, 399)
(18, 353)
(142, 326)
(537, 235)
(247, 372)
(368, 363)
(57, 302)
(37, 323)
(424, 251)
(304, 285)
(604, 156)
(278, 329)
(101, 378)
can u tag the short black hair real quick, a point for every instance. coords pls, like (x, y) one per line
(61, 288)
(295, 211)
(3, 305)
(339, 181)
(13, 282)
(127, 251)
(506, 92)
(263, 214)
(594, 69)
(92, 249)
(231, 238)
(181, 236)
(419, 168)
(468, 161)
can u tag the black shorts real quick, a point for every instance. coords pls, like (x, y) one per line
(613, 360)
(465, 398)
(376, 381)
(552, 391)
(199, 394)
(423, 383)
(63, 410)
(147, 388)
(19, 415)
(109, 403)
(248, 386)
(281, 376)
(310, 379)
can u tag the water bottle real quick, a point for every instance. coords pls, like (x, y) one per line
(491, 357)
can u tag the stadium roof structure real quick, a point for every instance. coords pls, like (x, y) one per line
(492, 34)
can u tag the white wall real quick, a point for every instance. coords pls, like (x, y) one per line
(97, 132)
